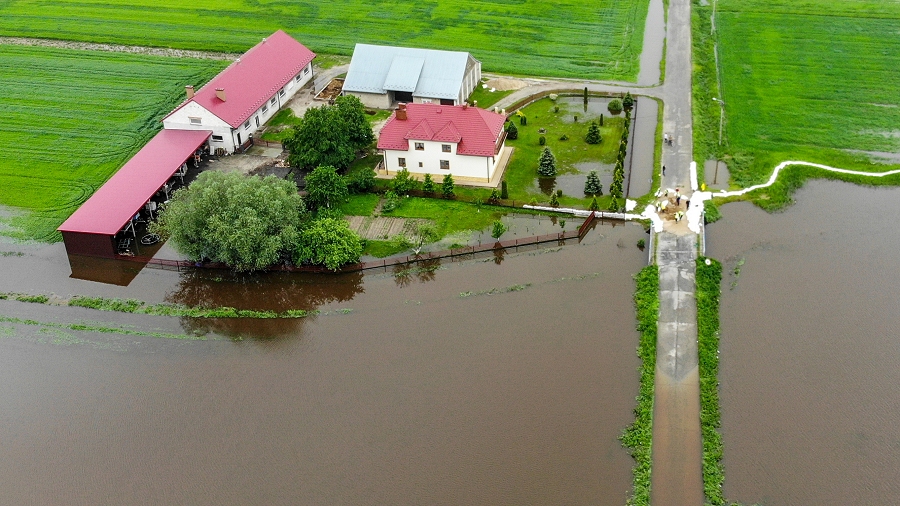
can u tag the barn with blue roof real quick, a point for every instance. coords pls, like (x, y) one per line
(382, 76)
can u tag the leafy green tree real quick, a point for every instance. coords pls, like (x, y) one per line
(361, 181)
(547, 163)
(554, 200)
(495, 197)
(428, 185)
(498, 229)
(504, 191)
(403, 183)
(593, 134)
(330, 135)
(512, 132)
(329, 242)
(391, 202)
(595, 206)
(244, 222)
(424, 232)
(615, 106)
(447, 187)
(628, 101)
(592, 185)
(325, 188)
(353, 112)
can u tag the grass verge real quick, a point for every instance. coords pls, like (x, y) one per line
(638, 437)
(709, 279)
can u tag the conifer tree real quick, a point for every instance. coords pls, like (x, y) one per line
(547, 164)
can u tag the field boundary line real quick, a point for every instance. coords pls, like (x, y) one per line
(118, 48)
(782, 165)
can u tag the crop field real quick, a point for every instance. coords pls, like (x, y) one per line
(71, 119)
(816, 80)
(598, 39)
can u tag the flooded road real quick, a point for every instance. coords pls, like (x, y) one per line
(492, 381)
(810, 360)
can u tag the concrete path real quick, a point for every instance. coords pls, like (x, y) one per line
(677, 477)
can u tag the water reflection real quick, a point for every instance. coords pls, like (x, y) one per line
(423, 271)
(277, 292)
(546, 185)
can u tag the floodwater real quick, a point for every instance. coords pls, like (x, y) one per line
(487, 381)
(654, 40)
(643, 141)
(810, 361)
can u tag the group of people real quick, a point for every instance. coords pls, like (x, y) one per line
(668, 139)
(665, 198)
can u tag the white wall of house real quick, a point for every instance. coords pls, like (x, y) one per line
(373, 100)
(193, 116)
(428, 161)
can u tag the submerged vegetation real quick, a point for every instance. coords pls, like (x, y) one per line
(178, 310)
(637, 438)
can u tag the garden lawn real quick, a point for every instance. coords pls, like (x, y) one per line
(567, 38)
(521, 173)
(71, 119)
(815, 82)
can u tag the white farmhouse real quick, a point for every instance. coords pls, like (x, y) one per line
(238, 101)
(442, 139)
(384, 75)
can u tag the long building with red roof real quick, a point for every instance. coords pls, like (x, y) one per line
(238, 101)
(224, 114)
(443, 139)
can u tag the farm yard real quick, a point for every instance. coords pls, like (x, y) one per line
(558, 38)
(72, 118)
(816, 82)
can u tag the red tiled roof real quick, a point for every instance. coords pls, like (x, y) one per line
(475, 129)
(117, 201)
(253, 78)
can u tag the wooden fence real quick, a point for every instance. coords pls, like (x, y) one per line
(464, 253)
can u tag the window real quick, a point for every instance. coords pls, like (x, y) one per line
(281, 92)
(445, 164)
(420, 164)
(306, 70)
(265, 109)
(247, 124)
(217, 138)
(420, 146)
(196, 121)
(401, 162)
(426, 100)
(299, 77)
(273, 101)
(446, 148)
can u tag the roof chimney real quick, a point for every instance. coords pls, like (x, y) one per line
(189, 91)
(220, 94)
(401, 112)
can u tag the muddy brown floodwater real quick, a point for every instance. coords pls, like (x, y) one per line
(810, 360)
(490, 381)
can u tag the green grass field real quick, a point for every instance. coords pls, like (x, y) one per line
(814, 81)
(71, 119)
(569, 38)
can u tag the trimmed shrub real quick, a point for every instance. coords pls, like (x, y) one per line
(504, 191)
(512, 133)
(447, 187)
(593, 134)
(615, 106)
(542, 140)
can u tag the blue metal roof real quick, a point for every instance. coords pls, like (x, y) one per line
(426, 73)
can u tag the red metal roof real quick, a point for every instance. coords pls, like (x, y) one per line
(109, 208)
(253, 78)
(475, 129)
